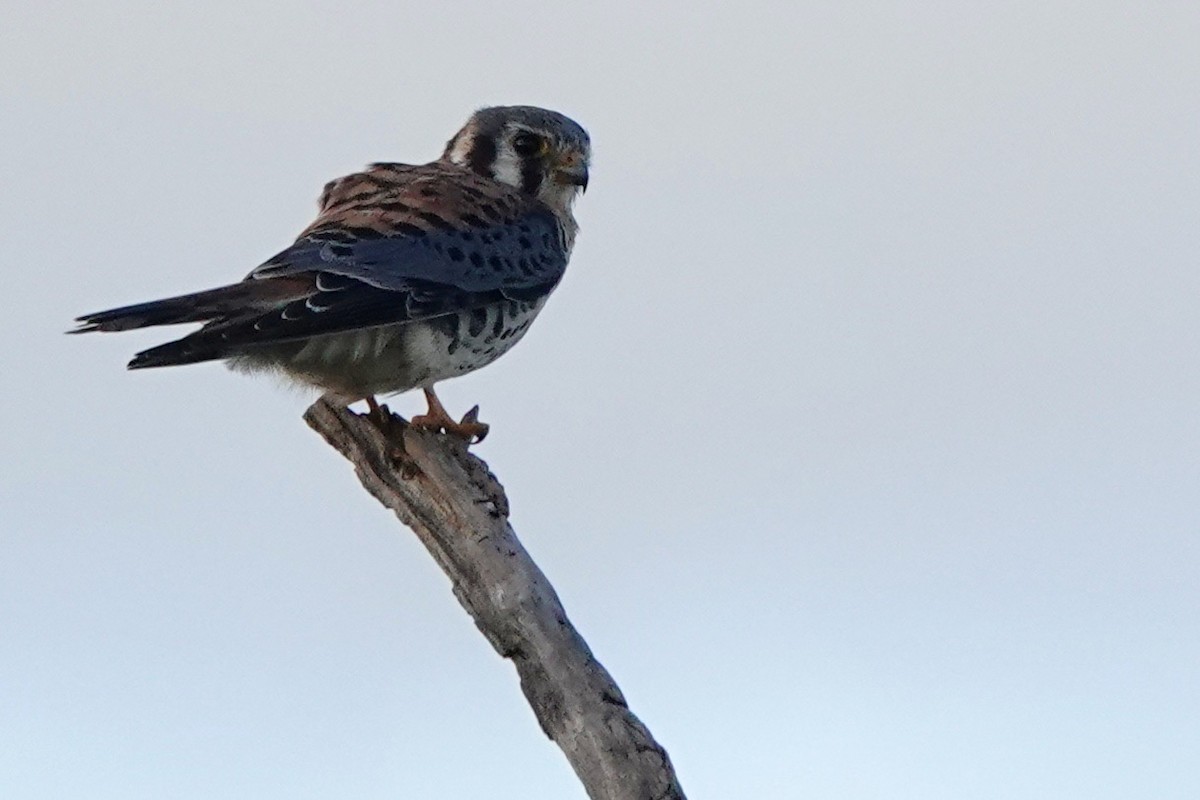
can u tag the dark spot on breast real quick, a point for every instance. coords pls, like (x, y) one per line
(496, 263)
(498, 325)
(476, 322)
(476, 260)
(455, 254)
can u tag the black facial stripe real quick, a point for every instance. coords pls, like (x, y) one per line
(531, 175)
(482, 154)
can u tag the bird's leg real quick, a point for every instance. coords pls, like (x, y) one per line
(380, 414)
(392, 428)
(438, 419)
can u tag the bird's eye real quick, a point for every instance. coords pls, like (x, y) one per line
(527, 144)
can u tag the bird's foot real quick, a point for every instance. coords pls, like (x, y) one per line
(469, 428)
(392, 427)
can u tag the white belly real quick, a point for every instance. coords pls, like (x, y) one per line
(396, 358)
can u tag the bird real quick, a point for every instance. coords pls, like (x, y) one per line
(409, 275)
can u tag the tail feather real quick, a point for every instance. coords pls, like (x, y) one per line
(196, 307)
(219, 308)
(189, 350)
(222, 302)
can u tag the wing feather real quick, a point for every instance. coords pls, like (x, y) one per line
(399, 243)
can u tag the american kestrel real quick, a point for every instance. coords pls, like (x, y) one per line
(410, 274)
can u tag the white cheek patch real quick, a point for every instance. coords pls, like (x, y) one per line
(507, 166)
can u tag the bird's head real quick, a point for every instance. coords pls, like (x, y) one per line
(540, 152)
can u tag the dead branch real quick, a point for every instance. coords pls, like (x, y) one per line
(459, 511)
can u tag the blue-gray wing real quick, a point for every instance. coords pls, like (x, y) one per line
(397, 244)
(485, 256)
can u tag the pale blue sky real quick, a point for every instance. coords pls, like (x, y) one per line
(860, 440)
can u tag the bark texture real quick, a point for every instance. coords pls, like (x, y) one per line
(459, 511)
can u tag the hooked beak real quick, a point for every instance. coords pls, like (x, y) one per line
(572, 171)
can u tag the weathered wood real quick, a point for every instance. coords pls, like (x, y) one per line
(459, 511)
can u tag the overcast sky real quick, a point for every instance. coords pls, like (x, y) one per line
(860, 440)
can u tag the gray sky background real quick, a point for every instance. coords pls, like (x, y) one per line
(860, 440)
